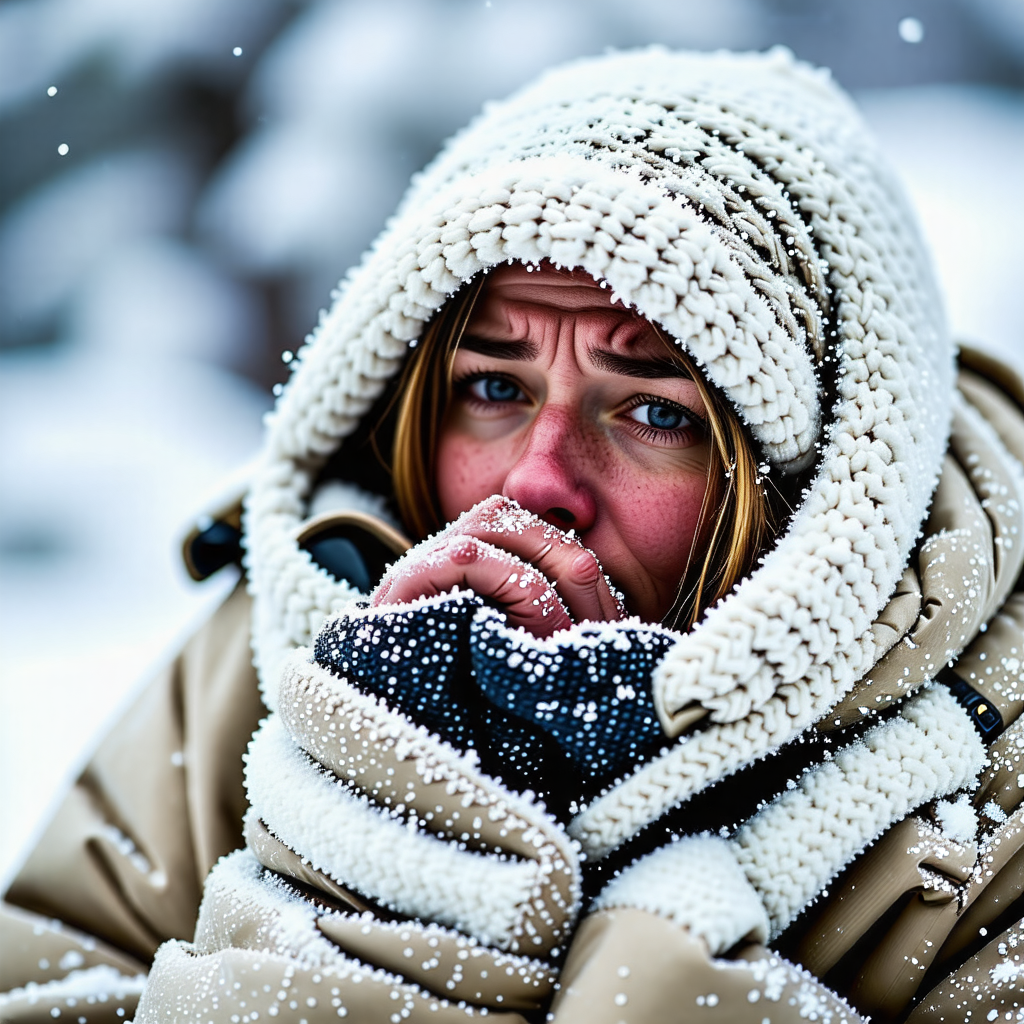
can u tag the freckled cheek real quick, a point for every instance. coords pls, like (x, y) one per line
(467, 472)
(657, 520)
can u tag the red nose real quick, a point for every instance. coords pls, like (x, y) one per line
(545, 479)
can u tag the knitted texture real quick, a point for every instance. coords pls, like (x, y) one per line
(791, 849)
(693, 763)
(737, 202)
(697, 883)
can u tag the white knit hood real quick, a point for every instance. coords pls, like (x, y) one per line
(737, 202)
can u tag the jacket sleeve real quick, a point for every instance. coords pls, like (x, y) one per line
(120, 867)
(629, 964)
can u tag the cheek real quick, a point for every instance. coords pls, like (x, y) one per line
(657, 519)
(468, 471)
(663, 516)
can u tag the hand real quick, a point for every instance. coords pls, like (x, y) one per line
(542, 578)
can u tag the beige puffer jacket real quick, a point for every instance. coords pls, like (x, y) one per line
(737, 202)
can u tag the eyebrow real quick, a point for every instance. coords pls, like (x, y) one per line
(646, 369)
(520, 351)
(628, 366)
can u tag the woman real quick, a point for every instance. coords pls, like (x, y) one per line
(678, 360)
(542, 407)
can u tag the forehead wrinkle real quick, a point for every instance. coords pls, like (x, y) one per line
(504, 327)
(515, 322)
(575, 296)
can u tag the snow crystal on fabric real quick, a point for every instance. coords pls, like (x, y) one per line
(561, 717)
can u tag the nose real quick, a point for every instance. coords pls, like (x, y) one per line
(549, 477)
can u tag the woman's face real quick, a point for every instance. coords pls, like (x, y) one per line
(567, 403)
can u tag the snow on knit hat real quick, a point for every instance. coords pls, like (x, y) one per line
(738, 202)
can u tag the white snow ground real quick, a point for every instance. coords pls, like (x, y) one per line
(107, 452)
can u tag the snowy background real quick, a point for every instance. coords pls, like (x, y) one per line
(184, 180)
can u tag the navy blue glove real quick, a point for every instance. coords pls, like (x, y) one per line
(564, 717)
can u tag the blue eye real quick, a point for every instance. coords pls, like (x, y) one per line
(660, 415)
(664, 417)
(496, 389)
